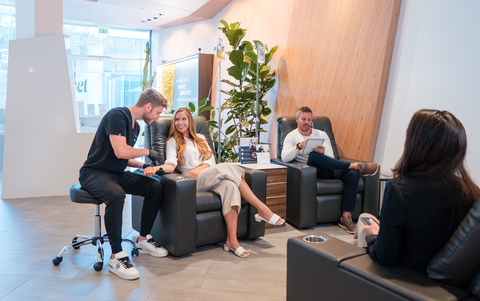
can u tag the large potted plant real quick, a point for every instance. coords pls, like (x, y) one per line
(240, 105)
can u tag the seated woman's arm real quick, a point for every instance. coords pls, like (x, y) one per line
(207, 163)
(170, 162)
(385, 248)
(150, 171)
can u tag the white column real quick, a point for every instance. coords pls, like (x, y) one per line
(41, 155)
(38, 18)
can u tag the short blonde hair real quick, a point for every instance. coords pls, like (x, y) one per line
(154, 97)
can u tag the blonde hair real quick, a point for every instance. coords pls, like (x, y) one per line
(203, 148)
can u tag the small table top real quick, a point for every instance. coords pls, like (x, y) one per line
(262, 166)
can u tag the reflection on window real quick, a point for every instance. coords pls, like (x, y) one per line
(108, 70)
(7, 33)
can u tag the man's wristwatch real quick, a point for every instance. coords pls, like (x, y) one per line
(298, 146)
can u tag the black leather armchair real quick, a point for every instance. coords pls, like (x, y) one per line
(189, 218)
(336, 270)
(310, 200)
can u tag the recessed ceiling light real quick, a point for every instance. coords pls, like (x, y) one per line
(141, 8)
(144, 21)
(160, 14)
(155, 18)
(149, 20)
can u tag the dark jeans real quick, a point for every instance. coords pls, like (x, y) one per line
(330, 168)
(111, 188)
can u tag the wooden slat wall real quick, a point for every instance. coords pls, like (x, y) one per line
(337, 61)
(333, 56)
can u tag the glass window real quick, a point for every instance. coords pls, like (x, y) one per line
(7, 33)
(108, 70)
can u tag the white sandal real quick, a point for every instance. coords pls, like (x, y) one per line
(272, 221)
(239, 251)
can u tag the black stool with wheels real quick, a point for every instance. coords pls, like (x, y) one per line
(78, 195)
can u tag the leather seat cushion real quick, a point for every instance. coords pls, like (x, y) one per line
(475, 287)
(79, 195)
(327, 187)
(210, 201)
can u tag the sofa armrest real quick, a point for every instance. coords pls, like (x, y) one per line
(175, 225)
(301, 206)
(323, 271)
(257, 180)
(312, 268)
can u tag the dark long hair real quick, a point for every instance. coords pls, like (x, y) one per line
(435, 148)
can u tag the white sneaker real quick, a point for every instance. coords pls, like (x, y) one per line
(121, 266)
(150, 247)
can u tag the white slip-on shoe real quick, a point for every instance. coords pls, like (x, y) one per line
(273, 220)
(121, 266)
(150, 247)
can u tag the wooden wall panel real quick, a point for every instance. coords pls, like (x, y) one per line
(336, 61)
(333, 56)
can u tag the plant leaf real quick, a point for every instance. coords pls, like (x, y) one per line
(192, 108)
(235, 72)
(207, 108)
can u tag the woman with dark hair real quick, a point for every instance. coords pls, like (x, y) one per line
(189, 152)
(429, 196)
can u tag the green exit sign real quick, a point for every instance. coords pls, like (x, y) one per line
(102, 29)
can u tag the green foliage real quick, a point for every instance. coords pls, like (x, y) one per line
(240, 104)
(147, 83)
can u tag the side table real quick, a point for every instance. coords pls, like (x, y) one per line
(276, 187)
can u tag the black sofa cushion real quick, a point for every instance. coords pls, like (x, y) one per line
(458, 261)
(475, 287)
(327, 187)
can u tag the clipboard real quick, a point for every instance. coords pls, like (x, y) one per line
(310, 144)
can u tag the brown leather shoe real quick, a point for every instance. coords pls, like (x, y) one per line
(367, 169)
(347, 224)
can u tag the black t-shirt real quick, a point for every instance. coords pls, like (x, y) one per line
(117, 121)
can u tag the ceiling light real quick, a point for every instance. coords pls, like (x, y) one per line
(155, 18)
(160, 14)
(144, 21)
(149, 20)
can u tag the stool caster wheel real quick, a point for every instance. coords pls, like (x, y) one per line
(56, 261)
(98, 266)
(135, 253)
(74, 241)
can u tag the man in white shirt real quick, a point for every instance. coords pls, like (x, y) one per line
(322, 158)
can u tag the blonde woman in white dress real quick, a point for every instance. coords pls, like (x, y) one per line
(190, 153)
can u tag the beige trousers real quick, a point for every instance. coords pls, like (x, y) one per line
(223, 179)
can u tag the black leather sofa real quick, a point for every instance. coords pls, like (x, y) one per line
(310, 200)
(189, 218)
(337, 270)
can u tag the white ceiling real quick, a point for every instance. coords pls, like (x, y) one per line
(131, 13)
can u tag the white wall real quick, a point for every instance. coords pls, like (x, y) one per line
(436, 65)
(41, 155)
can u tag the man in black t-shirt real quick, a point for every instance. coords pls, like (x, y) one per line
(103, 175)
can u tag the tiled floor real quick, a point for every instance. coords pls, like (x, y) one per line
(32, 232)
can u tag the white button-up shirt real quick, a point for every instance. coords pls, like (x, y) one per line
(191, 154)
